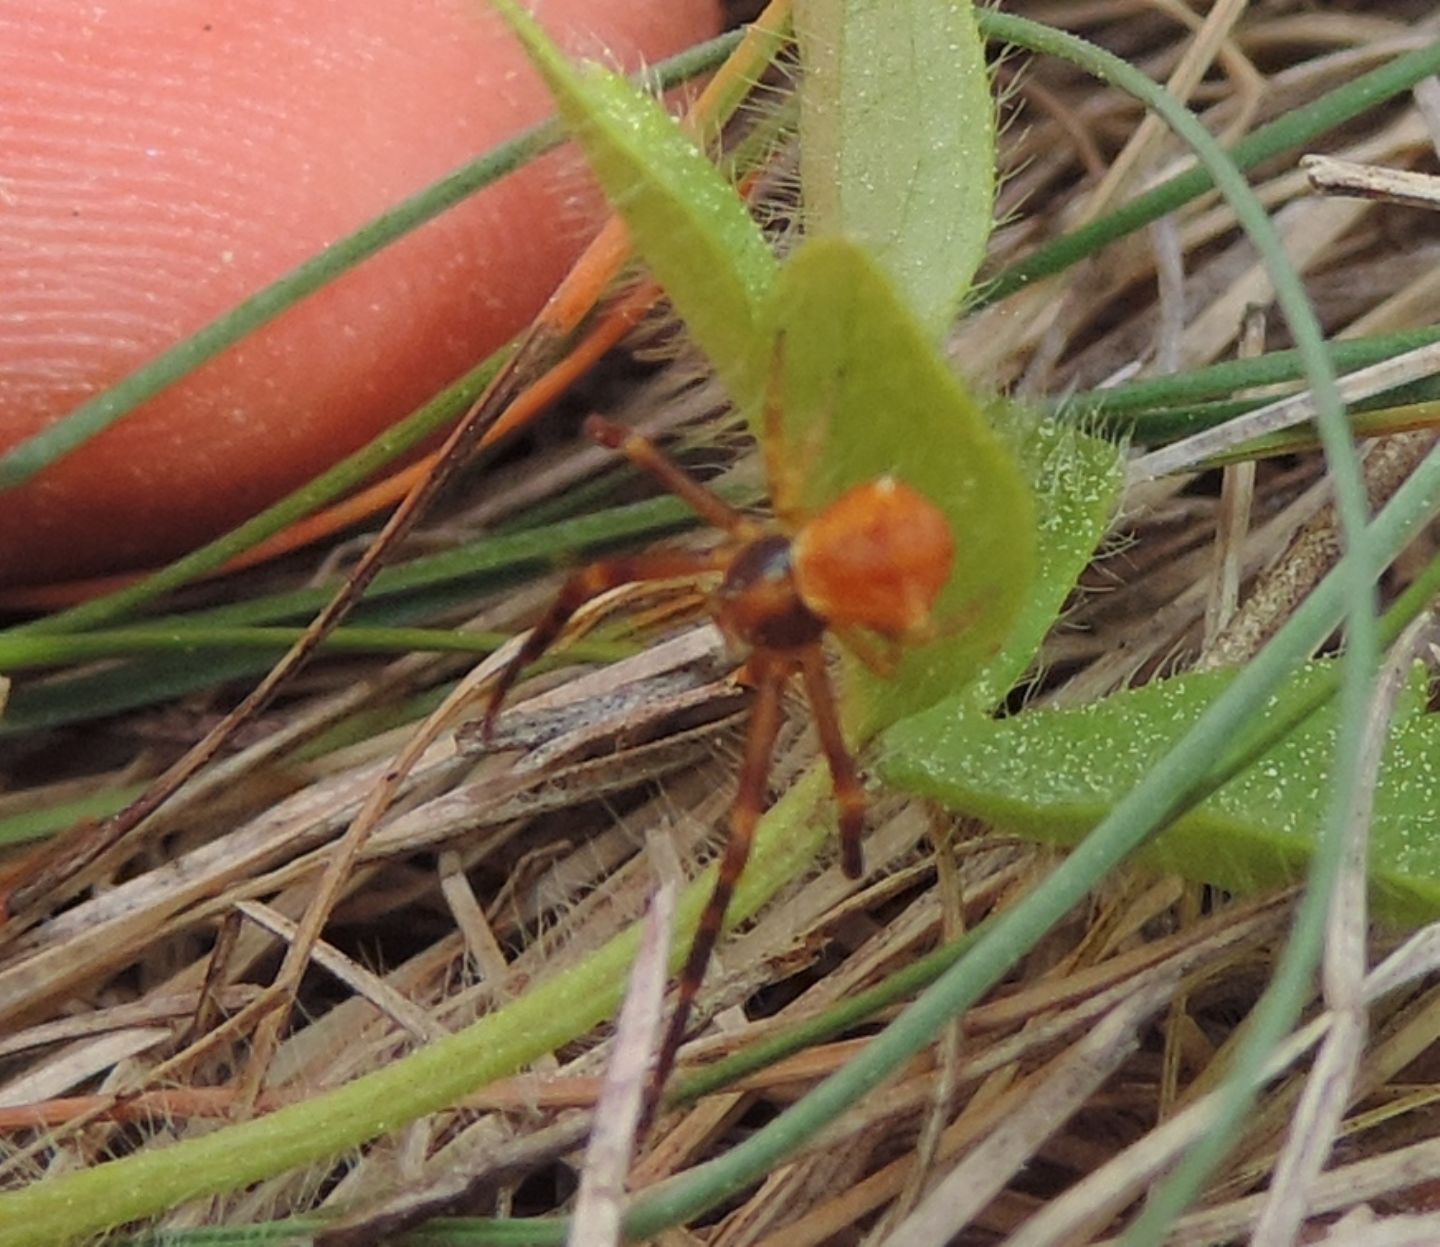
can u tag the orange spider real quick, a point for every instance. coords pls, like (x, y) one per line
(869, 567)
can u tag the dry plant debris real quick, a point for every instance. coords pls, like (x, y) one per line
(494, 868)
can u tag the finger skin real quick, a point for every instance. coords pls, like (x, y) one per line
(162, 159)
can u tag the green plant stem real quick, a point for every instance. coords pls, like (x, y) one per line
(30, 456)
(46, 651)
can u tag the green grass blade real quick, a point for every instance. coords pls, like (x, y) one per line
(46, 651)
(1126, 408)
(408, 594)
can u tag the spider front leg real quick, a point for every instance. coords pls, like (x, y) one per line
(587, 583)
(642, 452)
(591, 581)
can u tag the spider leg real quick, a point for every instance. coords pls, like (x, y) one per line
(770, 674)
(643, 452)
(589, 582)
(849, 792)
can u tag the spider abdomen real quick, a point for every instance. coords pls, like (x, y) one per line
(877, 557)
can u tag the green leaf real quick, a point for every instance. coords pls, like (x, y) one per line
(686, 219)
(864, 393)
(897, 140)
(1052, 775)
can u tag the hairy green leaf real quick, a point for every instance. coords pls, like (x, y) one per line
(686, 219)
(897, 140)
(1053, 775)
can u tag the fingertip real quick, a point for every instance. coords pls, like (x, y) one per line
(161, 166)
